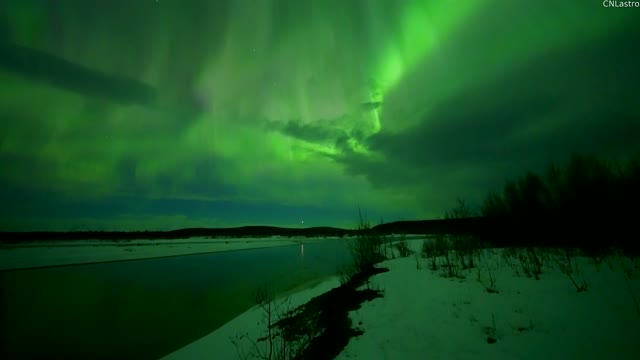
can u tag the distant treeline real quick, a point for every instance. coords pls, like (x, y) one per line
(237, 232)
(399, 227)
(588, 203)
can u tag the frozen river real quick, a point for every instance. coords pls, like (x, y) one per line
(147, 308)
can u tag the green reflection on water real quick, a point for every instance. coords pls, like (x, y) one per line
(144, 309)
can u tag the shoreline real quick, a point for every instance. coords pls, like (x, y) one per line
(46, 255)
(220, 339)
(492, 311)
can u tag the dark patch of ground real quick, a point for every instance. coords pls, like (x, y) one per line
(325, 319)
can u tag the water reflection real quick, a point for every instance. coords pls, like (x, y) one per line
(146, 308)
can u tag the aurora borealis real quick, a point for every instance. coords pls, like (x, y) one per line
(121, 115)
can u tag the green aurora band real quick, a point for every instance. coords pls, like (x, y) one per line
(251, 102)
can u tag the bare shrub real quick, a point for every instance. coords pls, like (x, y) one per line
(508, 255)
(271, 346)
(418, 265)
(531, 262)
(450, 267)
(439, 245)
(490, 287)
(346, 272)
(627, 268)
(596, 254)
(463, 244)
(403, 246)
(367, 249)
(460, 211)
(465, 250)
(490, 331)
(567, 267)
(433, 264)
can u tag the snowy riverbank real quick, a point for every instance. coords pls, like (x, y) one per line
(42, 254)
(425, 315)
(74, 252)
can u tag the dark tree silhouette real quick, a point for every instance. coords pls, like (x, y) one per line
(588, 200)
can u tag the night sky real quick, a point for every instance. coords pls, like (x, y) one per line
(145, 114)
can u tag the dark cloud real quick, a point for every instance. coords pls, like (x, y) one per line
(319, 131)
(40, 66)
(470, 128)
(204, 180)
(579, 100)
(342, 144)
(371, 105)
(131, 31)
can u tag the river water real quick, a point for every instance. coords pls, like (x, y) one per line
(145, 309)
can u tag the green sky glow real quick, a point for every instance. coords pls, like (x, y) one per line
(291, 109)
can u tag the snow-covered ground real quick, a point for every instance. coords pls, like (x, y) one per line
(41, 254)
(217, 345)
(426, 316)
